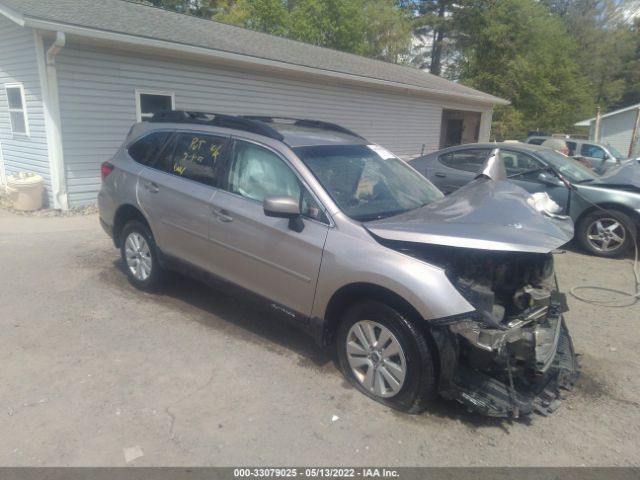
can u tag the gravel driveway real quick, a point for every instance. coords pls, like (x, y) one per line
(96, 373)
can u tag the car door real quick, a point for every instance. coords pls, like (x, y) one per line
(261, 253)
(524, 170)
(175, 192)
(456, 168)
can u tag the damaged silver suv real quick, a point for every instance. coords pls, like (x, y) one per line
(419, 295)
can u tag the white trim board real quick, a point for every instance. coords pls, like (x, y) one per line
(23, 110)
(3, 172)
(145, 91)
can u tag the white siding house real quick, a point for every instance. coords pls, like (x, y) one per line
(616, 129)
(89, 70)
(26, 149)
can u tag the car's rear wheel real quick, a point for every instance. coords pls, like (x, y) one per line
(139, 255)
(386, 357)
(606, 234)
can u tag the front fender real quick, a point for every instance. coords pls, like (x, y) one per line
(347, 260)
(586, 196)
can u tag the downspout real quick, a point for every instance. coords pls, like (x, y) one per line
(59, 187)
(55, 48)
(3, 173)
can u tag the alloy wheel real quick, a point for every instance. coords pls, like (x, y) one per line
(138, 256)
(606, 234)
(376, 358)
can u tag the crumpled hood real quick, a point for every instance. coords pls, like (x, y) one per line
(484, 214)
(626, 175)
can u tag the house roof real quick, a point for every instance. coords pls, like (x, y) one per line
(587, 122)
(138, 23)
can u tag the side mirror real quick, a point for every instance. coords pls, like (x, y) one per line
(284, 207)
(549, 179)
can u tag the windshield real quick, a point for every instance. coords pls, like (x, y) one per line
(367, 182)
(572, 170)
(614, 152)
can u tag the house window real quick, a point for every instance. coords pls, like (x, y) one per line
(17, 109)
(150, 102)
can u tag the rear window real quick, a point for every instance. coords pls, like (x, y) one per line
(193, 156)
(145, 150)
(536, 141)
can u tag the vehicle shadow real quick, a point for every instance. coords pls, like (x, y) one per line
(250, 320)
(574, 247)
(240, 316)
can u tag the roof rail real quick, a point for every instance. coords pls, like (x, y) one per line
(301, 122)
(217, 120)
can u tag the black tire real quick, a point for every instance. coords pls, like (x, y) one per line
(419, 386)
(156, 275)
(586, 225)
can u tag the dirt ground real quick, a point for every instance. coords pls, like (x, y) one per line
(95, 373)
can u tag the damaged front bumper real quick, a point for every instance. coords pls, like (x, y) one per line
(511, 372)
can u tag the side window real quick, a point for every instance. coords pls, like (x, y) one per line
(572, 148)
(257, 173)
(467, 160)
(17, 109)
(592, 151)
(536, 141)
(193, 156)
(312, 209)
(144, 150)
(520, 163)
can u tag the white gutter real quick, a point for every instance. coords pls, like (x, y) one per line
(12, 15)
(51, 104)
(55, 48)
(246, 59)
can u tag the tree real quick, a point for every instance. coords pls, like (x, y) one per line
(269, 16)
(558, 7)
(435, 18)
(375, 28)
(604, 47)
(335, 24)
(432, 28)
(631, 70)
(387, 31)
(199, 8)
(516, 50)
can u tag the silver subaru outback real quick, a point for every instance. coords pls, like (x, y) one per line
(419, 295)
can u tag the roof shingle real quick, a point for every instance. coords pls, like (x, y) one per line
(129, 18)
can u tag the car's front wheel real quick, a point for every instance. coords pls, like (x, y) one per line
(606, 233)
(386, 357)
(138, 250)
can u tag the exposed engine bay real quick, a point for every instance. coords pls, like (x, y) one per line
(513, 355)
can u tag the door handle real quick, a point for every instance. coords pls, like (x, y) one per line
(151, 187)
(222, 215)
(441, 175)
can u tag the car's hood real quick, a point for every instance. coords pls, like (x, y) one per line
(484, 214)
(625, 176)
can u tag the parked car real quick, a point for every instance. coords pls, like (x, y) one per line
(597, 156)
(605, 209)
(346, 241)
